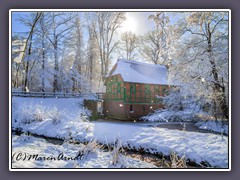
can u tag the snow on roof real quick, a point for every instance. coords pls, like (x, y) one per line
(138, 72)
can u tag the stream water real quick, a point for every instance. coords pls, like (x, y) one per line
(186, 126)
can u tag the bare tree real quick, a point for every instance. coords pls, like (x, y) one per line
(31, 22)
(104, 26)
(157, 45)
(149, 47)
(128, 45)
(78, 47)
(43, 32)
(93, 60)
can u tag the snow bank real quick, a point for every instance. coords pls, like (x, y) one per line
(198, 147)
(52, 117)
(66, 156)
(213, 125)
(165, 115)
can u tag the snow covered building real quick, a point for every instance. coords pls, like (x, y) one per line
(18, 47)
(132, 89)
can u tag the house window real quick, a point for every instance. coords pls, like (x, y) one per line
(132, 89)
(131, 108)
(143, 108)
(109, 90)
(147, 88)
(118, 88)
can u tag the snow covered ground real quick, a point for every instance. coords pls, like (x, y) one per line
(165, 115)
(53, 117)
(195, 146)
(31, 152)
(216, 126)
(198, 147)
(186, 116)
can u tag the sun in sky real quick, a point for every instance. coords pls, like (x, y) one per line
(130, 24)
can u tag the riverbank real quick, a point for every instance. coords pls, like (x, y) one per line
(202, 148)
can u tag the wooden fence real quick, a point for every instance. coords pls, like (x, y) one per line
(57, 95)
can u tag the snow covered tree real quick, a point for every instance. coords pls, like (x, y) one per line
(76, 46)
(75, 65)
(174, 100)
(93, 61)
(61, 24)
(202, 59)
(42, 32)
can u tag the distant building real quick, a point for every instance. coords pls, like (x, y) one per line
(132, 89)
(18, 49)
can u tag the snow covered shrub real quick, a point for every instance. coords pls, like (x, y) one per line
(177, 162)
(174, 100)
(55, 115)
(36, 113)
(178, 108)
(165, 115)
(178, 101)
(174, 161)
(39, 113)
(91, 147)
(85, 115)
(116, 152)
(31, 113)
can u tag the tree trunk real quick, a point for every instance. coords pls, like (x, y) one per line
(56, 69)
(26, 77)
(91, 69)
(27, 65)
(43, 68)
(43, 51)
(224, 105)
(73, 81)
(218, 89)
(15, 84)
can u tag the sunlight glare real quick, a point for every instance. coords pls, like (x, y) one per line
(129, 25)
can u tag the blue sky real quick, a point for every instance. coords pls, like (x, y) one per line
(16, 25)
(140, 22)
